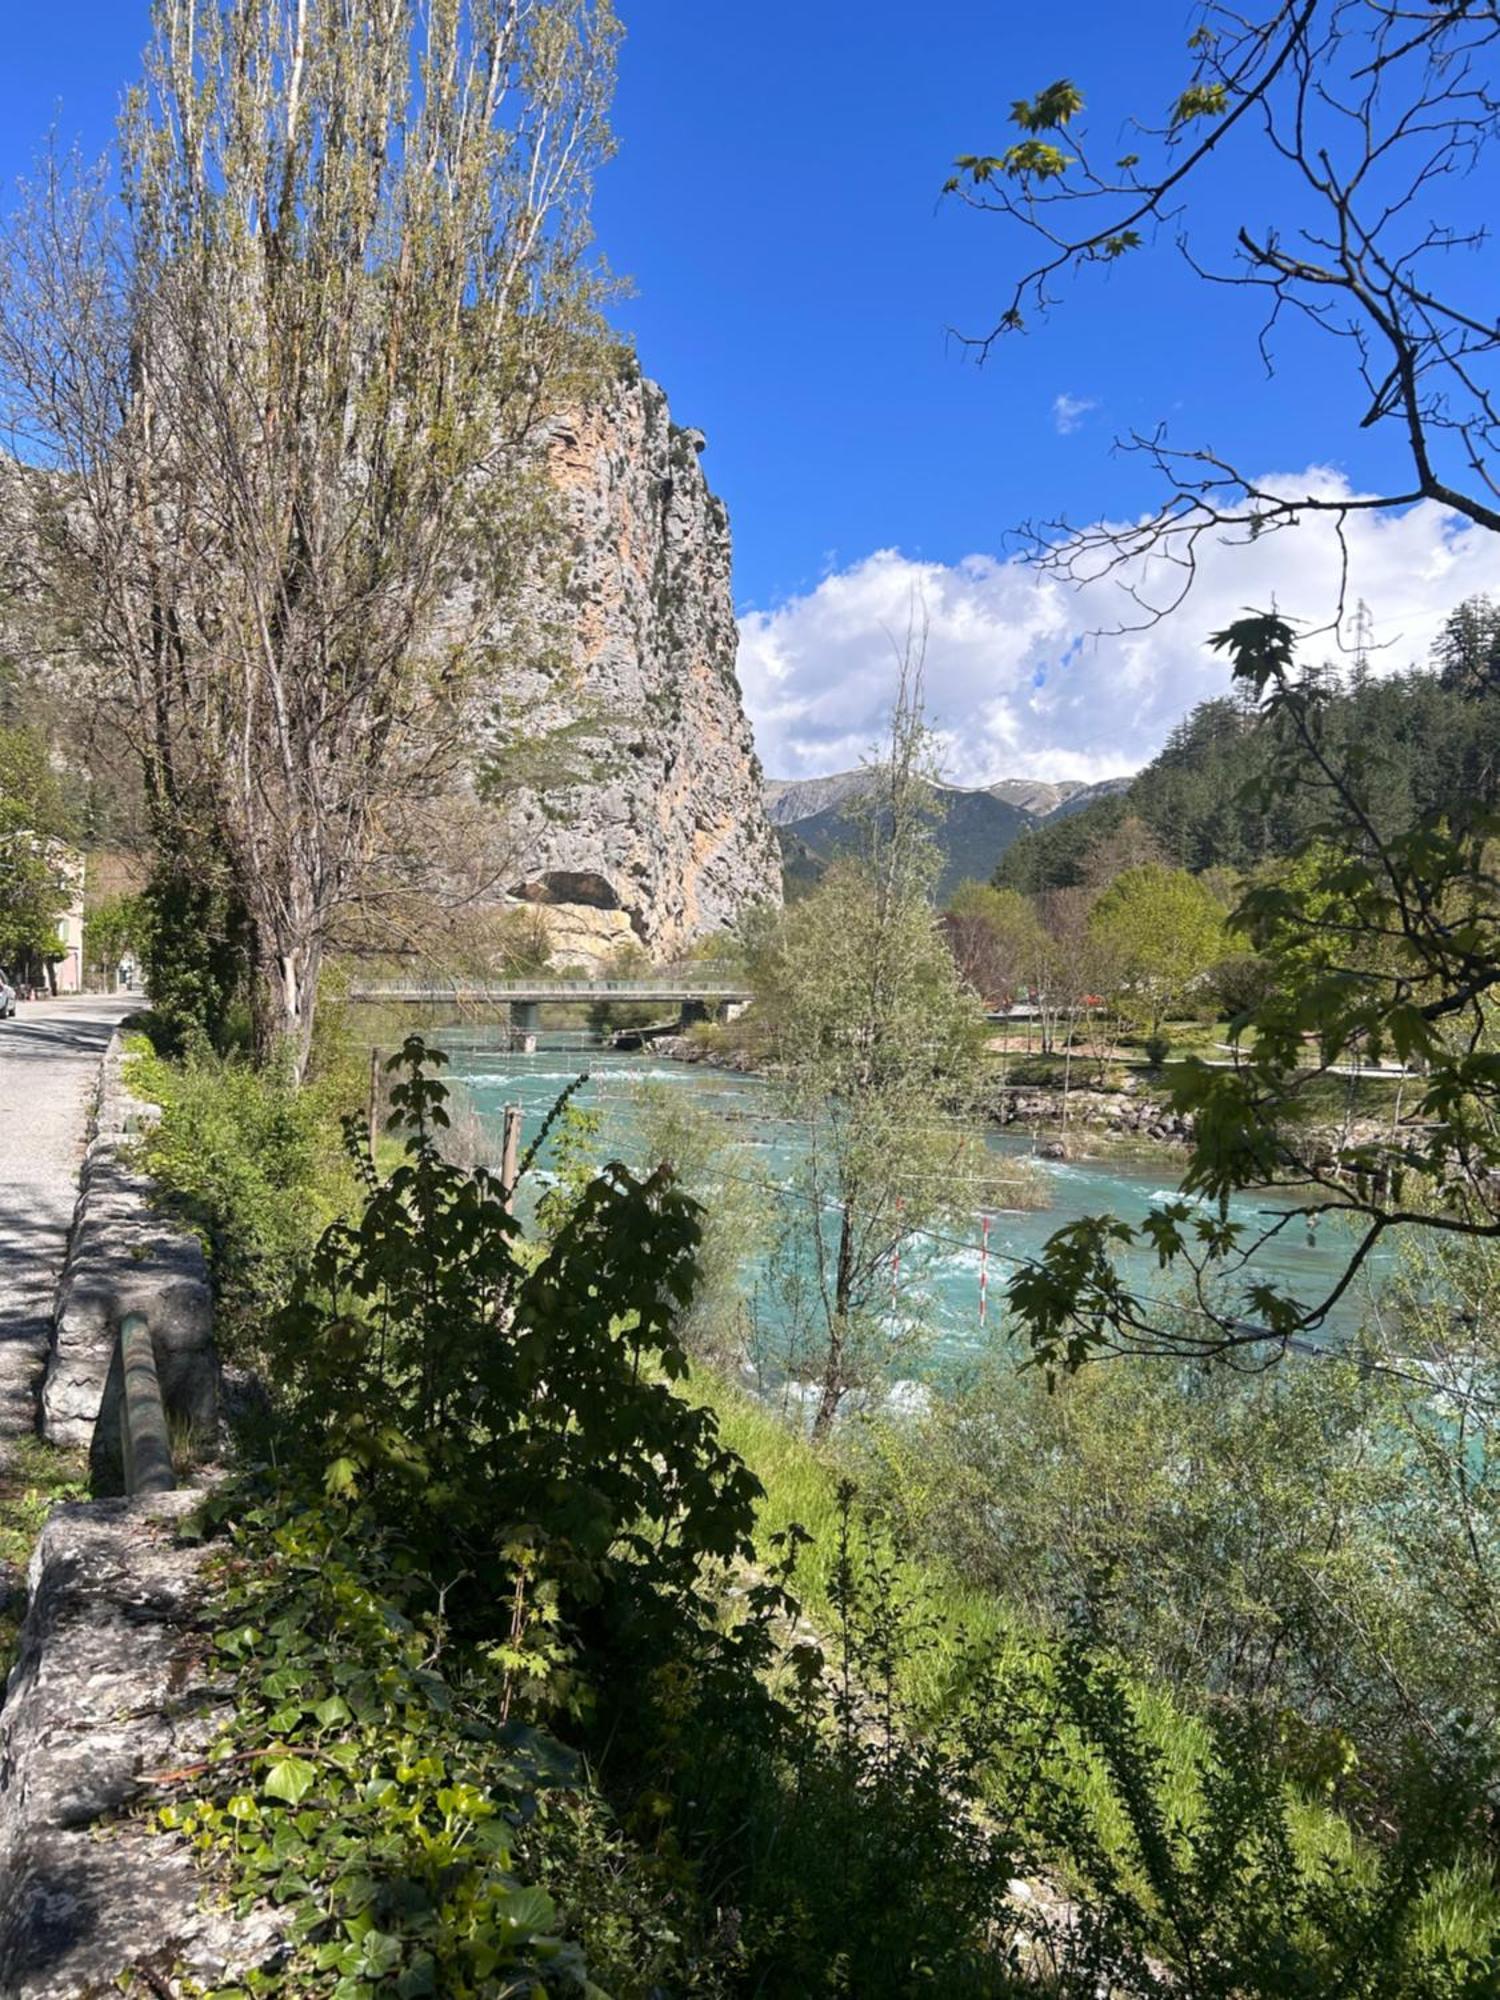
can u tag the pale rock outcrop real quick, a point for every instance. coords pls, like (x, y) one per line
(658, 832)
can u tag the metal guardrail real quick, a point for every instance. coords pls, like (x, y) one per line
(145, 1443)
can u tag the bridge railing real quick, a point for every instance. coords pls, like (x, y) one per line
(558, 989)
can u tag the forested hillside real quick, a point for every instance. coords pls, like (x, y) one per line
(971, 828)
(1426, 738)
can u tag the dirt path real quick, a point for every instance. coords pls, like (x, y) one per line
(49, 1064)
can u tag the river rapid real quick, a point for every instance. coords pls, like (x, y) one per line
(949, 1281)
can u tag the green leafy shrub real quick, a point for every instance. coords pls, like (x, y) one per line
(1318, 1542)
(1221, 1899)
(245, 1157)
(195, 935)
(488, 1406)
(852, 1845)
(368, 1786)
(873, 1849)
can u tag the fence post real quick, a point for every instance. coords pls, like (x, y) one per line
(510, 1156)
(373, 1115)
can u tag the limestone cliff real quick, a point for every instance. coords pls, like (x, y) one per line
(656, 828)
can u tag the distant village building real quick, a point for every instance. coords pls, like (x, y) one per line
(67, 969)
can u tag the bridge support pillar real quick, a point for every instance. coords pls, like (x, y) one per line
(525, 1018)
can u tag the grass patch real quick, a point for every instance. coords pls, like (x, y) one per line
(802, 1482)
(1461, 1908)
(35, 1477)
(253, 1164)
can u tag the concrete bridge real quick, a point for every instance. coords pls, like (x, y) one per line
(694, 999)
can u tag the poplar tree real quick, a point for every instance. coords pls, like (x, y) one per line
(270, 401)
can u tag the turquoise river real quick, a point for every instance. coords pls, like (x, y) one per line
(941, 1281)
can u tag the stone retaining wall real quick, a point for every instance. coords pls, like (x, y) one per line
(111, 1689)
(112, 1685)
(125, 1256)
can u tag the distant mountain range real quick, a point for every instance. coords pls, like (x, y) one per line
(814, 821)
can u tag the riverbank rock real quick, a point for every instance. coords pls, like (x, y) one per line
(657, 832)
(110, 1688)
(1121, 1113)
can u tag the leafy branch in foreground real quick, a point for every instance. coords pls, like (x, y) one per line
(1381, 949)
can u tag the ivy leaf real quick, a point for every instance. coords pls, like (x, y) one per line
(419, 1978)
(380, 1954)
(290, 1779)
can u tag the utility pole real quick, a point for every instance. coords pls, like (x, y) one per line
(1364, 640)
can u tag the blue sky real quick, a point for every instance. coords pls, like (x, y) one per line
(775, 202)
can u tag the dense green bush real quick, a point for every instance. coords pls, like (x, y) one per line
(250, 1162)
(195, 937)
(369, 1783)
(491, 1404)
(1317, 1541)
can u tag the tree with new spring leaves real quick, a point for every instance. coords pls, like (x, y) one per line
(1161, 930)
(871, 1039)
(997, 941)
(36, 823)
(1381, 949)
(269, 398)
(1363, 131)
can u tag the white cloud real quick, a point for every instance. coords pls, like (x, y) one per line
(1068, 412)
(1017, 683)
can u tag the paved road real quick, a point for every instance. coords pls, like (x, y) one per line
(49, 1062)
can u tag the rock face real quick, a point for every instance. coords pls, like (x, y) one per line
(655, 831)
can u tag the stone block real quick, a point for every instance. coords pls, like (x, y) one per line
(110, 1686)
(124, 1256)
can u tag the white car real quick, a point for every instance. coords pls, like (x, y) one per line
(7, 997)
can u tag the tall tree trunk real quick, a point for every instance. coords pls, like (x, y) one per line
(285, 999)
